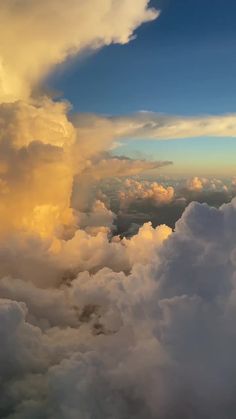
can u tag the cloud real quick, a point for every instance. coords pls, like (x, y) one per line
(36, 167)
(47, 170)
(154, 126)
(154, 193)
(138, 200)
(99, 218)
(157, 341)
(197, 184)
(93, 325)
(38, 36)
(108, 167)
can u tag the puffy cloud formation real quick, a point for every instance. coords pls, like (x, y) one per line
(35, 36)
(99, 218)
(46, 169)
(36, 166)
(197, 184)
(135, 190)
(153, 336)
(160, 200)
(144, 192)
(48, 163)
(106, 168)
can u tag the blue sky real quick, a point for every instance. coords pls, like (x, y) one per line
(183, 63)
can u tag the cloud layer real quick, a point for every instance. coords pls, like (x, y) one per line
(154, 126)
(150, 333)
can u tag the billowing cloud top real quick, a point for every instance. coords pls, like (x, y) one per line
(37, 35)
(148, 333)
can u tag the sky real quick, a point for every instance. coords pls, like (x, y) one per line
(183, 63)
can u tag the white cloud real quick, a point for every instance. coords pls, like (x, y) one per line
(157, 342)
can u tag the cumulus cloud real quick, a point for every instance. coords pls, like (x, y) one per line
(36, 166)
(141, 199)
(45, 168)
(156, 341)
(98, 326)
(156, 193)
(106, 168)
(197, 184)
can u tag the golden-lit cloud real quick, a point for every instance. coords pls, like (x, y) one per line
(36, 167)
(48, 167)
(35, 36)
(155, 193)
(195, 184)
(41, 151)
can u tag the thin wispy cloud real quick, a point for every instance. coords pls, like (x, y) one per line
(154, 126)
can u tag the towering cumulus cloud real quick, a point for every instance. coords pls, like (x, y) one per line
(93, 326)
(42, 154)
